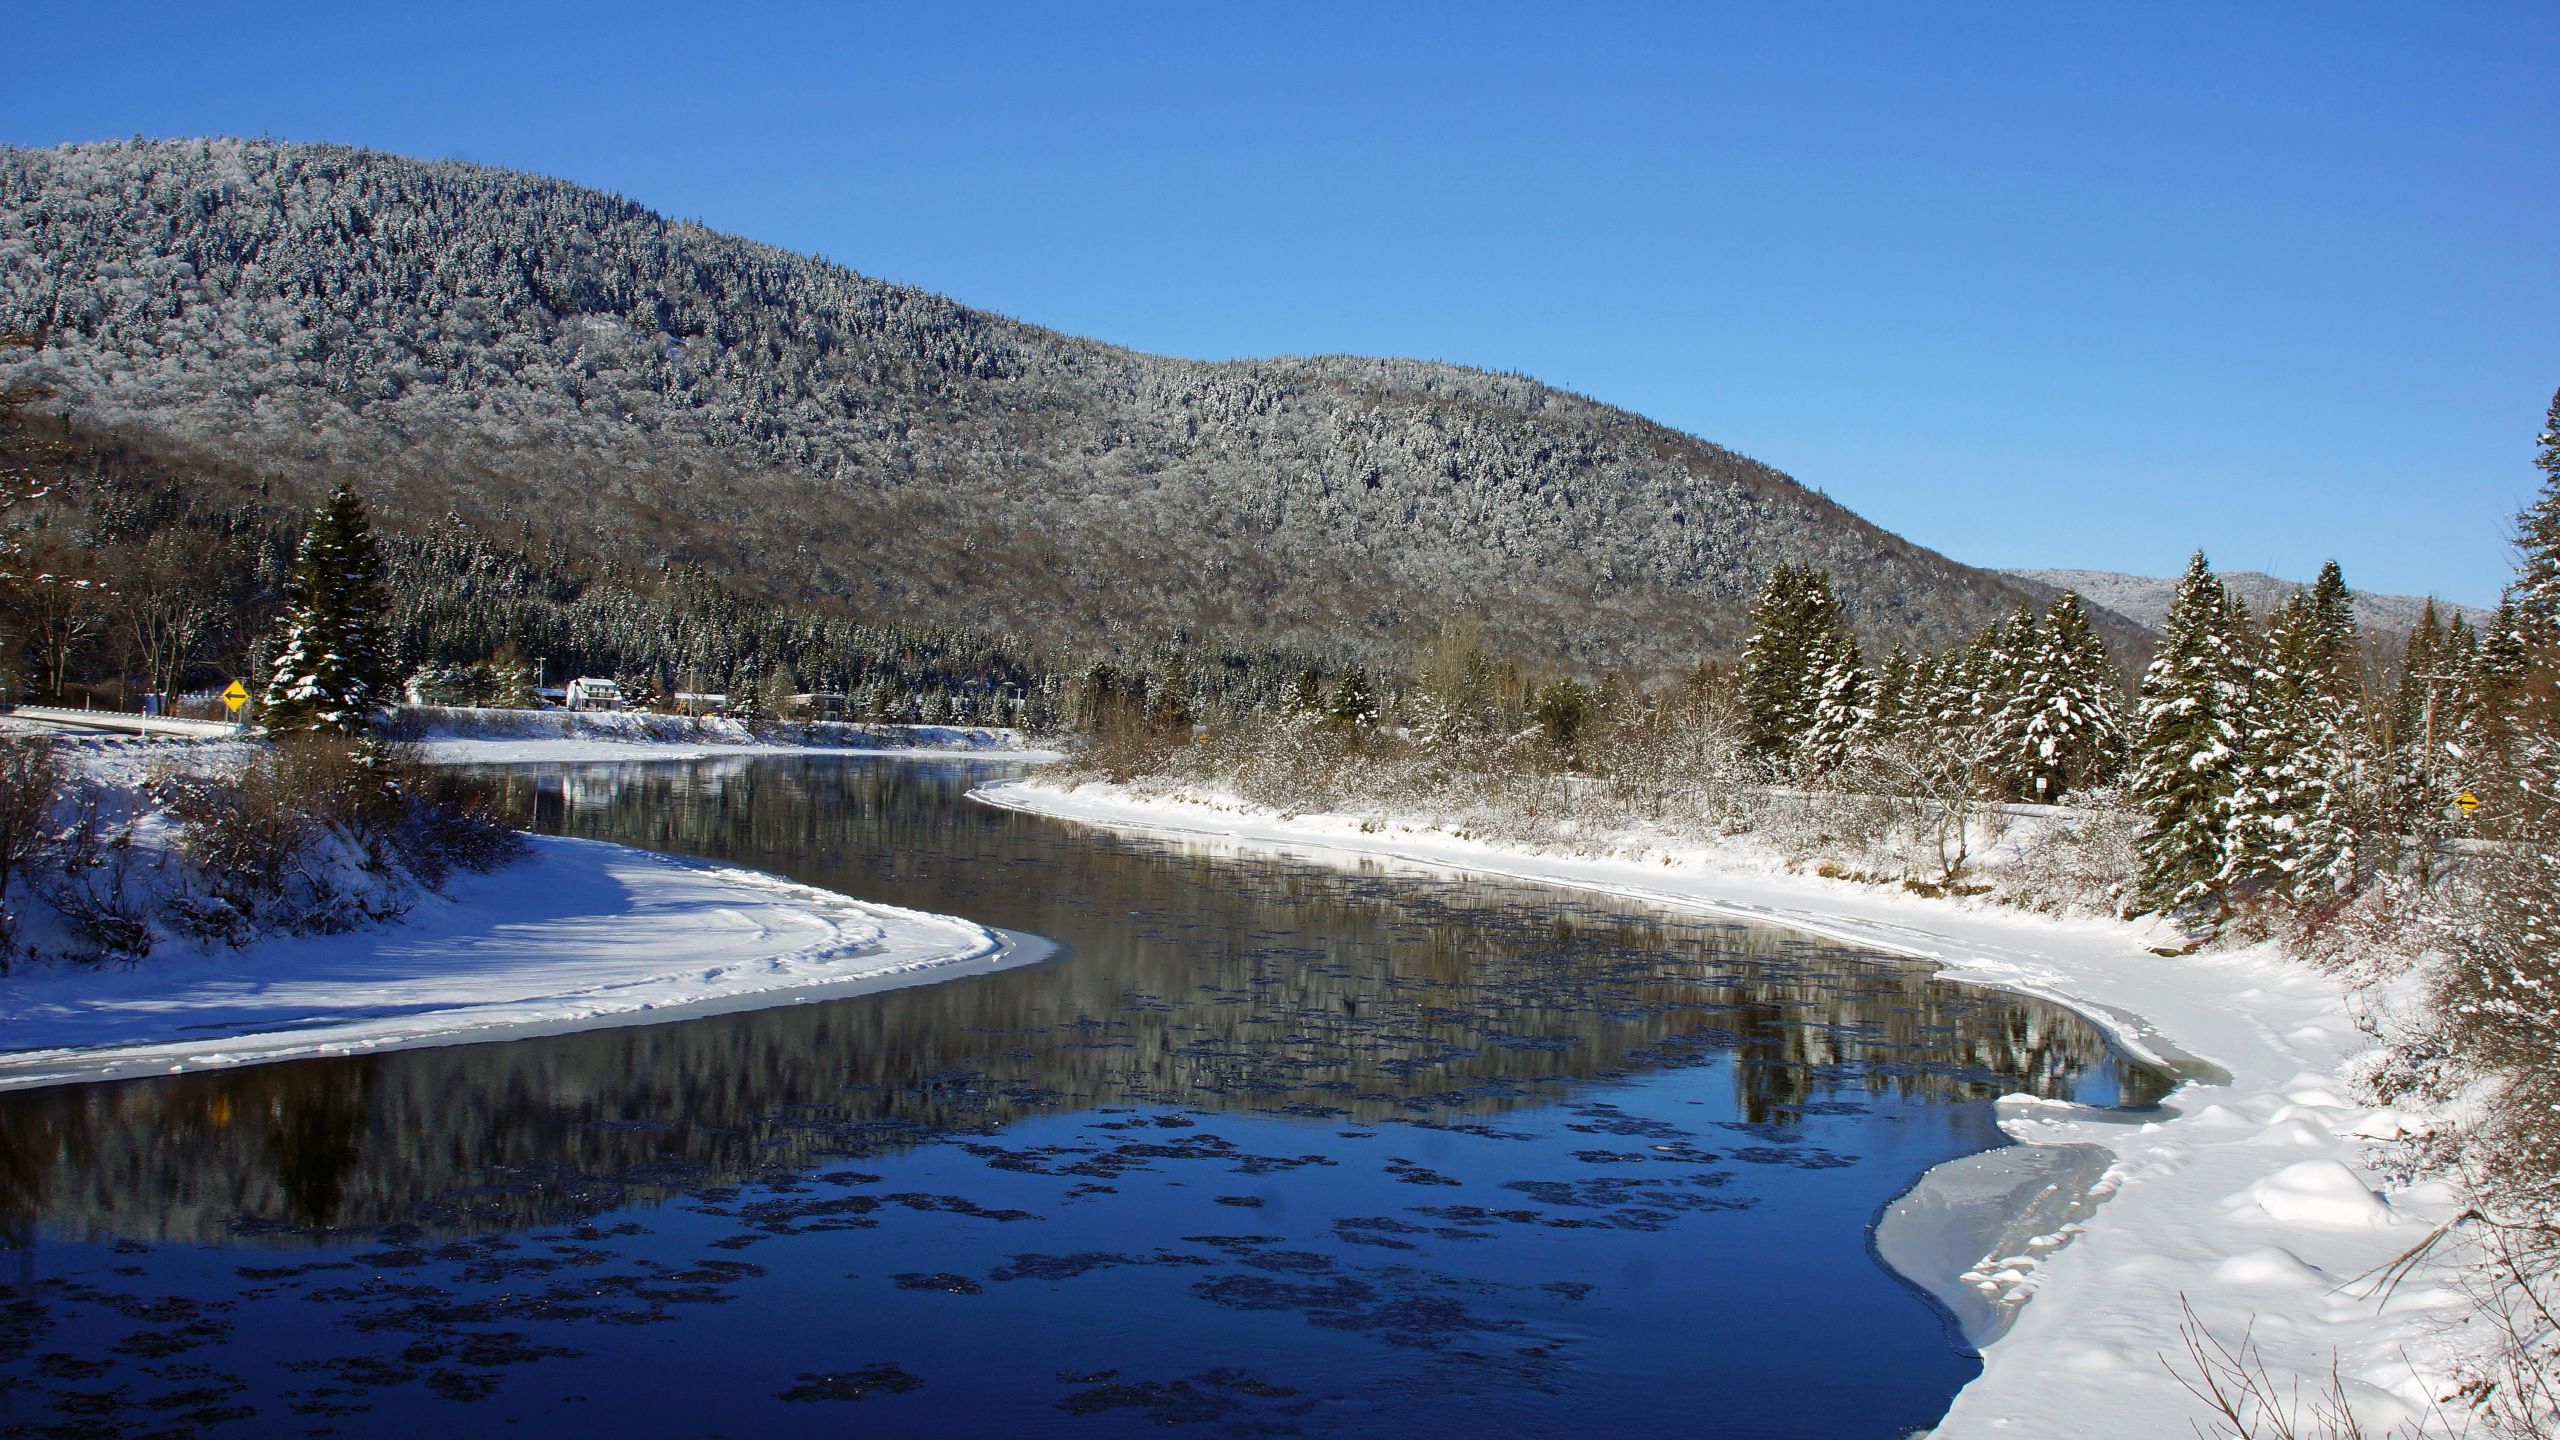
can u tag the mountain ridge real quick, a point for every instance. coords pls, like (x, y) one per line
(522, 350)
(2143, 600)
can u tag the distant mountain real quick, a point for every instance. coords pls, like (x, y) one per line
(528, 353)
(2144, 599)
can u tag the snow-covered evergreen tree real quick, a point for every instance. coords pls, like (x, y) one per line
(1895, 688)
(2292, 832)
(1797, 632)
(1354, 700)
(2063, 727)
(333, 666)
(2536, 590)
(2187, 748)
(1841, 713)
(2500, 985)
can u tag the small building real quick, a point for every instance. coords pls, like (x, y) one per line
(701, 702)
(589, 693)
(818, 705)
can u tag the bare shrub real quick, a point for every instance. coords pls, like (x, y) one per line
(2081, 860)
(446, 828)
(2245, 1401)
(103, 885)
(271, 843)
(31, 775)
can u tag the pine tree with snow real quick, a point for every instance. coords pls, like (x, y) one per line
(2292, 834)
(749, 696)
(1895, 688)
(2187, 748)
(1841, 714)
(2063, 728)
(1354, 701)
(1796, 629)
(2505, 649)
(1771, 674)
(333, 664)
(2536, 590)
(2499, 988)
(2436, 737)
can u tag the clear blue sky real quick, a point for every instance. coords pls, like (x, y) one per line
(2034, 284)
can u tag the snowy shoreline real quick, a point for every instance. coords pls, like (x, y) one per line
(2249, 1195)
(543, 946)
(462, 736)
(577, 934)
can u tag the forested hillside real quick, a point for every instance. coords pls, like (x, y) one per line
(564, 365)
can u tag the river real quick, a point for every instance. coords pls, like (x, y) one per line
(1270, 1147)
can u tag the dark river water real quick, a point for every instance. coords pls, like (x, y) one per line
(1273, 1148)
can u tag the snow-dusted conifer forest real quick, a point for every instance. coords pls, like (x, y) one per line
(528, 353)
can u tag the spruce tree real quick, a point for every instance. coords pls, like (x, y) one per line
(2063, 728)
(1354, 702)
(2291, 834)
(1771, 675)
(1894, 689)
(1841, 715)
(333, 665)
(2536, 590)
(2501, 981)
(2187, 748)
(1797, 628)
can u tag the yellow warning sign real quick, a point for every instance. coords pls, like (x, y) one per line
(2468, 801)
(236, 696)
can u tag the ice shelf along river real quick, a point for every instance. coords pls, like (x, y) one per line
(1272, 1147)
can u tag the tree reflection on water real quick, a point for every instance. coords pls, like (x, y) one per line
(1195, 978)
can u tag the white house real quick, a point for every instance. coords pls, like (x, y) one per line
(588, 693)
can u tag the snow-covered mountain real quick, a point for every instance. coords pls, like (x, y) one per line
(2144, 599)
(528, 353)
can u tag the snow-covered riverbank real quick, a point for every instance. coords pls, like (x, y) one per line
(577, 934)
(460, 736)
(2250, 1196)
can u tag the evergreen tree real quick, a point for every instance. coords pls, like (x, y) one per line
(1355, 701)
(749, 697)
(2436, 739)
(1896, 685)
(2501, 982)
(1564, 710)
(1309, 690)
(2187, 747)
(1797, 629)
(2505, 649)
(2536, 590)
(2291, 833)
(1841, 714)
(333, 665)
(2063, 728)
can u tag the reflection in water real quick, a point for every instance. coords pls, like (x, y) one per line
(1197, 980)
(1287, 1004)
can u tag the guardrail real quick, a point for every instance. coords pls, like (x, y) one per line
(125, 722)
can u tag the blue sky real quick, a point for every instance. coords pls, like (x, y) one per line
(2032, 284)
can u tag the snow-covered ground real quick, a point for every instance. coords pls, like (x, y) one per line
(2250, 1195)
(578, 934)
(454, 735)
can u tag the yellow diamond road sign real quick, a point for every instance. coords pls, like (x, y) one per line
(236, 696)
(2468, 801)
